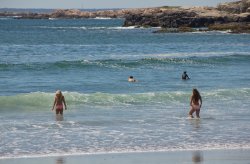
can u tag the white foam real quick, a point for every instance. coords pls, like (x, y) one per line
(122, 28)
(198, 54)
(62, 27)
(103, 18)
(52, 18)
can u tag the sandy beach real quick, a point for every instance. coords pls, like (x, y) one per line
(239, 156)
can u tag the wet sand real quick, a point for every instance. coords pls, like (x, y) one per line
(239, 156)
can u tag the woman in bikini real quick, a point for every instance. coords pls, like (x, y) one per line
(59, 102)
(195, 104)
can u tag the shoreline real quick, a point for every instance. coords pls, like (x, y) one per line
(158, 157)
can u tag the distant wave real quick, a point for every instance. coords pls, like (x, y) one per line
(42, 99)
(60, 27)
(9, 17)
(45, 100)
(85, 27)
(122, 28)
(52, 18)
(212, 32)
(155, 60)
(103, 18)
(210, 54)
(5, 18)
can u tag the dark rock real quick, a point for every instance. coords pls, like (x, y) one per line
(231, 27)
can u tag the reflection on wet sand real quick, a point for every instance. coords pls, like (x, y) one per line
(60, 160)
(195, 123)
(197, 157)
(59, 117)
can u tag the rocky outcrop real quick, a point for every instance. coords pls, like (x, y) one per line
(181, 17)
(232, 16)
(159, 18)
(166, 17)
(86, 14)
(66, 14)
(231, 27)
(235, 7)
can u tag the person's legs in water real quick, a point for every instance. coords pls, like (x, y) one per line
(197, 113)
(192, 110)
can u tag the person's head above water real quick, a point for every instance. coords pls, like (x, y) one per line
(131, 79)
(58, 93)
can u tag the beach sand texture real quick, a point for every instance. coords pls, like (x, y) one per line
(237, 156)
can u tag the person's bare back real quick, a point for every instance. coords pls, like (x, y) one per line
(195, 103)
(59, 102)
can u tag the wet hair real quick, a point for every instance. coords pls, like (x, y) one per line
(185, 72)
(196, 94)
(58, 92)
(131, 77)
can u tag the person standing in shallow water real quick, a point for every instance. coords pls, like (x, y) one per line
(59, 102)
(195, 103)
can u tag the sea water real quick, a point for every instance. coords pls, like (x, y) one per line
(90, 61)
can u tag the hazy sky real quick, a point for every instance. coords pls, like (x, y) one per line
(105, 3)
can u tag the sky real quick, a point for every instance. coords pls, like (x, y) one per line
(99, 4)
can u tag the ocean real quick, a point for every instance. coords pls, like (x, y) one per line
(90, 60)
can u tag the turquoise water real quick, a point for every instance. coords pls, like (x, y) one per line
(90, 61)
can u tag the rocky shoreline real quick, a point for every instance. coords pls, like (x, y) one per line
(232, 16)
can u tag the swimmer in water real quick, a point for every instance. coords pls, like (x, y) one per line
(185, 76)
(131, 79)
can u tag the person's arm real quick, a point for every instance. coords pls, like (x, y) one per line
(64, 102)
(54, 104)
(191, 99)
